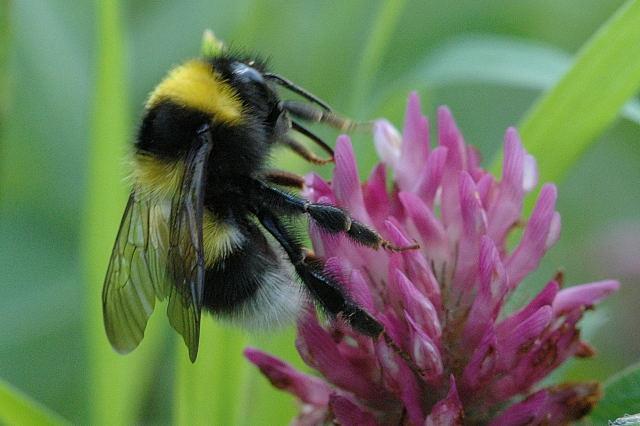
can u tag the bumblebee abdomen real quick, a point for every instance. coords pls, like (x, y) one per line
(252, 285)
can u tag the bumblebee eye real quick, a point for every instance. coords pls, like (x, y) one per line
(246, 74)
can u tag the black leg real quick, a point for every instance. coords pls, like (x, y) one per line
(330, 218)
(312, 137)
(303, 151)
(325, 289)
(284, 178)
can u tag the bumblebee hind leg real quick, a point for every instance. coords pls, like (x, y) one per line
(326, 290)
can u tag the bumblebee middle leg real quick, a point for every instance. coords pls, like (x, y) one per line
(284, 178)
(324, 288)
(330, 218)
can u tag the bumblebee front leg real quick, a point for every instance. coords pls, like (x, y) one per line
(330, 218)
(324, 288)
(316, 115)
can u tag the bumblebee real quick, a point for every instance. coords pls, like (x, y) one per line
(206, 226)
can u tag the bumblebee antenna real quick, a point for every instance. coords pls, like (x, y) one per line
(296, 89)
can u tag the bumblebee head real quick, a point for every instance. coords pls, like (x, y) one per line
(250, 80)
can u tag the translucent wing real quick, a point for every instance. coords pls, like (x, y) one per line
(186, 263)
(159, 253)
(136, 275)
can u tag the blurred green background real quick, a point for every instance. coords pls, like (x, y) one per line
(74, 75)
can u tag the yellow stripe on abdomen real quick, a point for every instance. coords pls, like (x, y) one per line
(220, 238)
(196, 85)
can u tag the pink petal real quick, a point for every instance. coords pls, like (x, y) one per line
(544, 298)
(376, 198)
(542, 358)
(473, 162)
(315, 187)
(482, 364)
(426, 227)
(360, 291)
(418, 307)
(308, 389)
(525, 412)
(425, 352)
(387, 141)
(430, 177)
(318, 350)
(530, 176)
(415, 145)
(517, 341)
(397, 376)
(493, 287)
(506, 209)
(527, 255)
(346, 182)
(352, 280)
(396, 235)
(448, 411)
(583, 296)
(347, 412)
(474, 226)
(449, 136)
(554, 231)
(486, 188)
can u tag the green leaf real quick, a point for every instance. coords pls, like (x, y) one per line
(570, 117)
(118, 383)
(17, 408)
(621, 396)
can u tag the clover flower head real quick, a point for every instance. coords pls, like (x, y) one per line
(450, 353)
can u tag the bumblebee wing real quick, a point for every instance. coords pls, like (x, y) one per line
(136, 275)
(186, 263)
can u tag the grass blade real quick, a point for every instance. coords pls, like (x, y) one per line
(16, 408)
(372, 55)
(621, 396)
(117, 383)
(210, 390)
(570, 117)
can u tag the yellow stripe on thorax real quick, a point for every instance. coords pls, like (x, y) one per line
(156, 178)
(196, 85)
